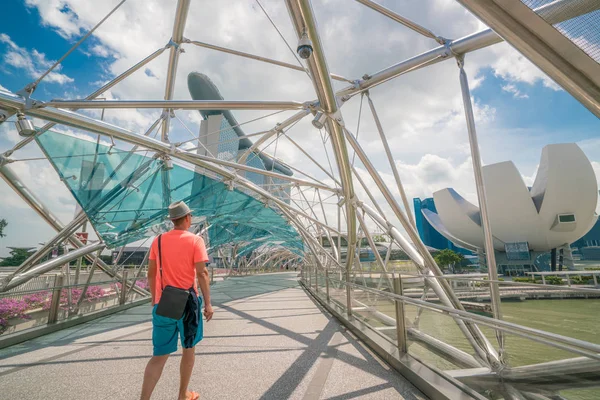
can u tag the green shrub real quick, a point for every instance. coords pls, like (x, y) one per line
(591, 269)
(554, 280)
(485, 284)
(526, 280)
(581, 280)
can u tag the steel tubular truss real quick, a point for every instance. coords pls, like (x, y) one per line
(325, 213)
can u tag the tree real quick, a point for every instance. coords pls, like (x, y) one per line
(448, 258)
(3, 224)
(17, 256)
(379, 238)
(397, 254)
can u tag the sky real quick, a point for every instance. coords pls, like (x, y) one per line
(518, 109)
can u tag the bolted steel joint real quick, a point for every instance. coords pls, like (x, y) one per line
(24, 126)
(4, 158)
(27, 90)
(172, 43)
(319, 120)
(460, 60)
(442, 40)
(230, 182)
(5, 114)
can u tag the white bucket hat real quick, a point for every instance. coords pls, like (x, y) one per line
(178, 209)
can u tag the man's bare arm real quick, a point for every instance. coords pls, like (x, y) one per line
(152, 278)
(204, 283)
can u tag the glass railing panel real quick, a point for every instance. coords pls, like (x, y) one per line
(337, 290)
(40, 301)
(536, 362)
(557, 304)
(568, 376)
(437, 339)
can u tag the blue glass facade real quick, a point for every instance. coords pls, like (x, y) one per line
(588, 247)
(427, 233)
(228, 142)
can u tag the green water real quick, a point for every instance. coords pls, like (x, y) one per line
(576, 318)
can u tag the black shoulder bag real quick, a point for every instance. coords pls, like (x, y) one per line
(173, 300)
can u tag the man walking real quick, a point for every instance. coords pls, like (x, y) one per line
(177, 258)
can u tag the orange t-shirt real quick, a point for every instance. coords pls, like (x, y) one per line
(180, 251)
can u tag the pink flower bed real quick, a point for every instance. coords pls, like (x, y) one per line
(141, 283)
(14, 308)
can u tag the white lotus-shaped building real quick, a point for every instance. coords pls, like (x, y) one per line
(558, 209)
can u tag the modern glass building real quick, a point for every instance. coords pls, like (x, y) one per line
(588, 247)
(222, 137)
(428, 234)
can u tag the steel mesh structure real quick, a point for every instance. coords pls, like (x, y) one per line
(255, 215)
(583, 30)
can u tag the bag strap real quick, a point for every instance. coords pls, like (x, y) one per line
(162, 286)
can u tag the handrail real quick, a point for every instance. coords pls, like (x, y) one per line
(17, 293)
(581, 347)
(512, 283)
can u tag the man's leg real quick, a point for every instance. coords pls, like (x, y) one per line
(152, 374)
(185, 371)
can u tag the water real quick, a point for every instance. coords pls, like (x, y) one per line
(577, 318)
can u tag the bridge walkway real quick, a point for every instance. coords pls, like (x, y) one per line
(267, 340)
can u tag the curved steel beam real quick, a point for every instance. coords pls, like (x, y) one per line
(258, 58)
(53, 263)
(400, 19)
(176, 104)
(92, 96)
(181, 13)
(477, 339)
(276, 130)
(556, 11)
(90, 124)
(303, 19)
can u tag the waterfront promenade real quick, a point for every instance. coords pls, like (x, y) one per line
(268, 340)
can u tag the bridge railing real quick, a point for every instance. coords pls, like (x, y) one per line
(48, 303)
(532, 361)
(475, 287)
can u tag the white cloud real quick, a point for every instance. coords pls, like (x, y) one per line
(40, 59)
(517, 94)
(433, 173)
(34, 63)
(512, 66)
(59, 15)
(189, 145)
(100, 51)
(25, 227)
(8, 131)
(422, 112)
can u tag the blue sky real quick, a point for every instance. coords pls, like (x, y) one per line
(519, 110)
(25, 28)
(544, 108)
(545, 116)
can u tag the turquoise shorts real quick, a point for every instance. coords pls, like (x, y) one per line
(189, 328)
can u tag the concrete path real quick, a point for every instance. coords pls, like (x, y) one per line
(267, 340)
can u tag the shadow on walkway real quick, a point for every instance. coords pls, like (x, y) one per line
(269, 340)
